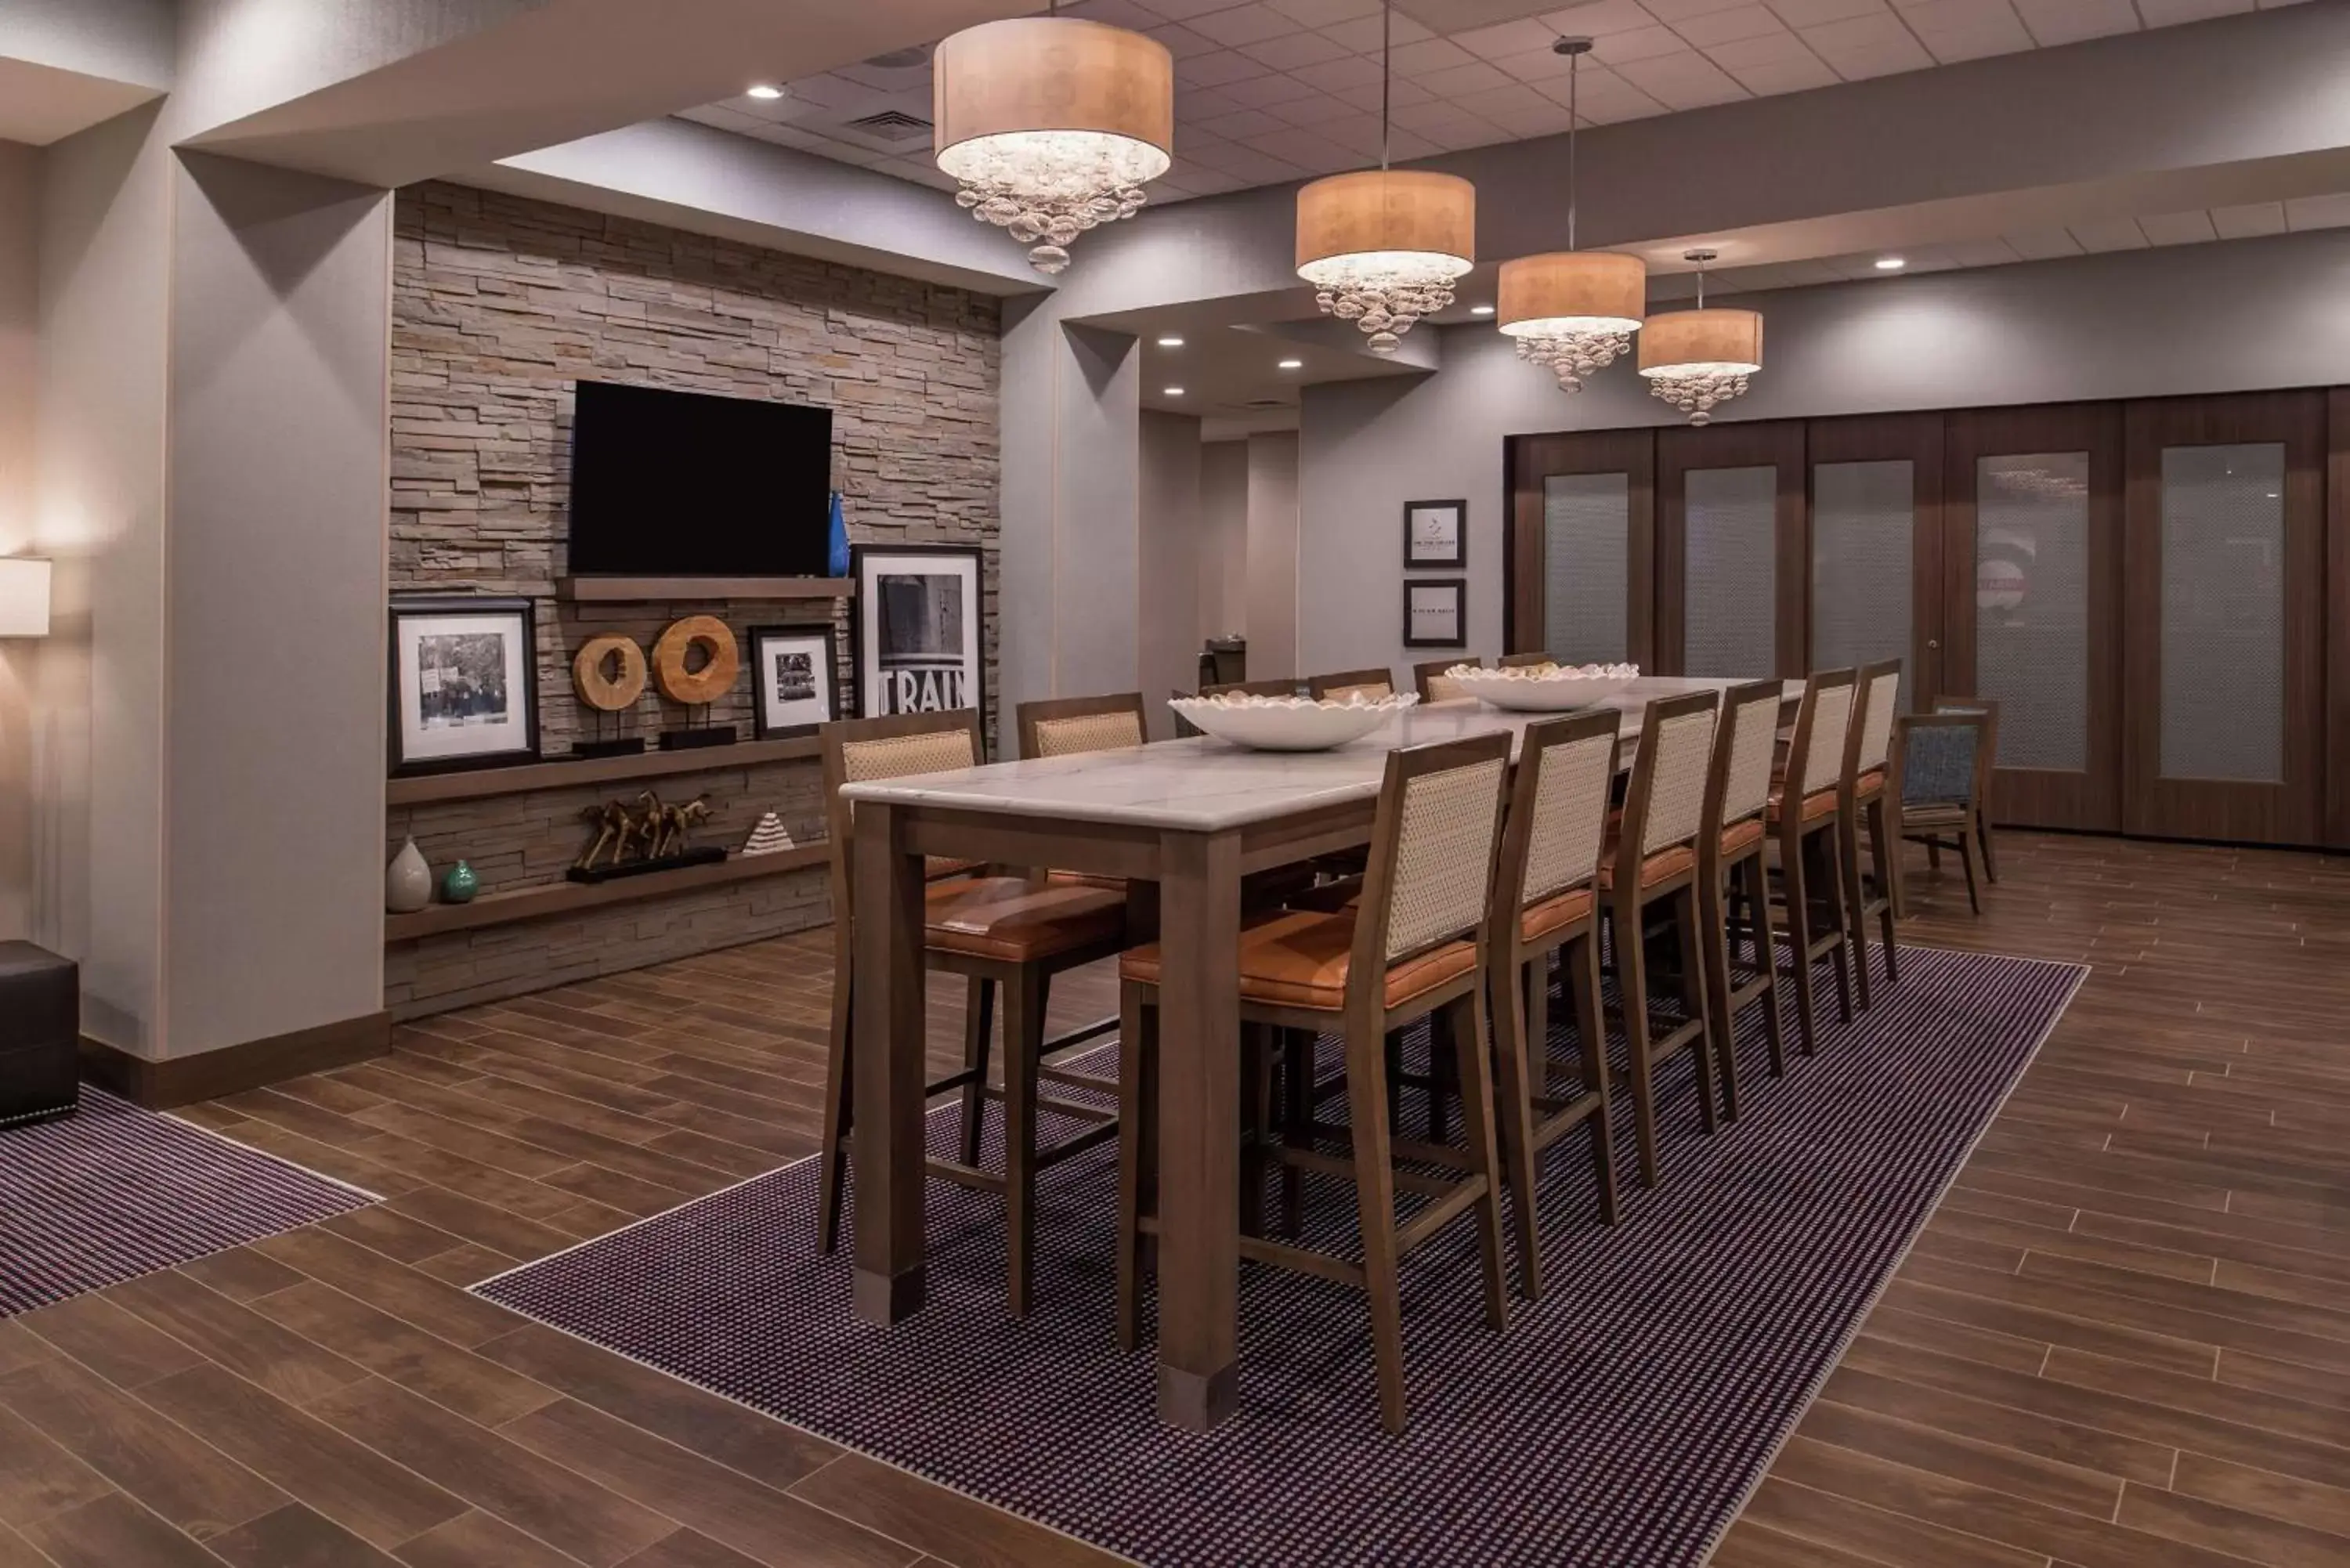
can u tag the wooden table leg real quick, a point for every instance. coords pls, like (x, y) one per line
(1198, 1127)
(888, 1025)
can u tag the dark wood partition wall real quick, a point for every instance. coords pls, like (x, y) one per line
(2038, 573)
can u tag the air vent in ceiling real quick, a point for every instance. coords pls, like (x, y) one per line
(891, 124)
(1269, 402)
(902, 59)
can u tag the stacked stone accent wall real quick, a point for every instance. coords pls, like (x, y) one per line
(499, 306)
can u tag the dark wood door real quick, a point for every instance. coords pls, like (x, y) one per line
(1733, 567)
(1874, 533)
(2224, 603)
(2031, 564)
(1582, 546)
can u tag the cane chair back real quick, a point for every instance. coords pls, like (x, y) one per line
(1676, 765)
(1558, 808)
(1434, 844)
(1525, 660)
(1829, 703)
(1880, 699)
(1275, 686)
(1067, 726)
(866, 751)
(1435, 682)
(1367, 684)
(1745, 750)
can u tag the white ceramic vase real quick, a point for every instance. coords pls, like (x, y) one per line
(407, 881)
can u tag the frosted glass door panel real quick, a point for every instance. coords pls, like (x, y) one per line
(1586, 559)
(2223, 612)
(1731, 606)
(2031, 604)
(1863, 519)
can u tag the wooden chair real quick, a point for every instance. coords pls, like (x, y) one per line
(1415, 948)
(1938, 774)
(1985, 766)
(1062, 726)
(1366, 683)
(1523, 660)
(1652, 860)
(1801, 819)
(1733, 870)
(1862, 802)
(1006, 931)
(1544, 903)
(1433, 683)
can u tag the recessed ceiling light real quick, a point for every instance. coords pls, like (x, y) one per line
(1480, 310)
(1171, 341)
(1292, 364)
(1890, 263)
(765, 90)
(1174, 392)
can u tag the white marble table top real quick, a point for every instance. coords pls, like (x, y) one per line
(1206, 786)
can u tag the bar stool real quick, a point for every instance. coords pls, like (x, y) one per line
(1434, 682)
(1862, 802)
(1544, 903)
(1664, 809)
(1733, 870)
(1065, 726)
(1415, 948)
(1006, 931)
(1367, 684)
(1802, 819)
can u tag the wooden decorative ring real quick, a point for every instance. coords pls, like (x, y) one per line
(714, 680)
(608, 693)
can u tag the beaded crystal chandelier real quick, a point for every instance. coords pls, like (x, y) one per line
(1383, 246)
(1573, 311)
(1052, 125)
(1698, 359)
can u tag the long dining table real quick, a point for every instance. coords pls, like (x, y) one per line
(1182, 821)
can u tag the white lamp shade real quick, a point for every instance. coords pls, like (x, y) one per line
(24, 599)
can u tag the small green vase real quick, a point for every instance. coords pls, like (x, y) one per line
(460, 885)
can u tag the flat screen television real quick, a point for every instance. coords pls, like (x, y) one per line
(685, 484)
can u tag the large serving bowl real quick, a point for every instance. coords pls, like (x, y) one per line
(1546, 687)
(1289, 724)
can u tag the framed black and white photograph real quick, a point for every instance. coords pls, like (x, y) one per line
(1435, 533)
(1436, 613)
(464, 683)
(792, 678)
(917, 629)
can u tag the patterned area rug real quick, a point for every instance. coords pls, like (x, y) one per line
(1619, 1422)
(114, 1191)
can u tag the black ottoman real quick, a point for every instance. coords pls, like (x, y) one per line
(40, 1029)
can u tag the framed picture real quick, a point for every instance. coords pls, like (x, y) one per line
(792, 678)
(464, 683)
(917, 630)
(1436, 613)
(1435, 533)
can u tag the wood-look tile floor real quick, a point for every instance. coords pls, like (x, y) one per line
(2122, 1342)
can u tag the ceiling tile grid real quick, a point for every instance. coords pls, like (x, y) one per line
(1275, 90)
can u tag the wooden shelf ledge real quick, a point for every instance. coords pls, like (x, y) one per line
(571, 897)
(438, 788)
(647, 590)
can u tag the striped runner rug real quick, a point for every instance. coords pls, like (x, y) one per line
(114, 1191)
(1619, 1422)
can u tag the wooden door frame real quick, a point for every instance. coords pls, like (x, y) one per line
(2337, 617)
(1765, 443)
(2090, 800)
(1529, 459)
(1915, 438)
(2293, 811)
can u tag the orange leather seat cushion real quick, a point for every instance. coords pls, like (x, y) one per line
(936, 866)
(1006, 917)
(1655, 869)
(1552, 913)
(1816, 805)
(1741, 835)
(1300, 960)
(1087, 879)
(1870, 784)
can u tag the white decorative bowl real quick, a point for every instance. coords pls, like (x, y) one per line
(1289, 724)
(1546, 687)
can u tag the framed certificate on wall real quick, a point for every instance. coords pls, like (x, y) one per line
(1435, 533)
(1436, 613)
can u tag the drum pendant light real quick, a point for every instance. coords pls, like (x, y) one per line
(1051, 125)
(1573, 311)
(1698, 359)
(1384, 245)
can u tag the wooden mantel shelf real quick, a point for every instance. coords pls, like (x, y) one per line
(570, 898)
(645, 590)
(432, 789)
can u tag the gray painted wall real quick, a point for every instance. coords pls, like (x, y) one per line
(19, 364)
(1169, 547)
(1223, 539)
(2197, 318)
(128, 40)
(1273, 563)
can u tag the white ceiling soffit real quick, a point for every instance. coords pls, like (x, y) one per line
(1270, 91)
(40, 104)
